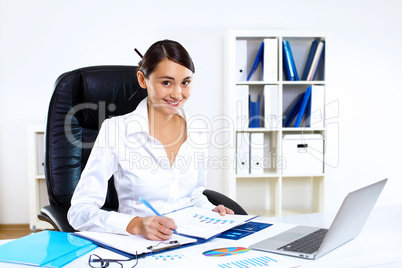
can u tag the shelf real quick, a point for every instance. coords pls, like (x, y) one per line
(302, 129)
(274, 193)
(262, 176)
(257, 83)
(315, 82)
(257, 130)
(263, 83)
(302, 175)
(285, 129)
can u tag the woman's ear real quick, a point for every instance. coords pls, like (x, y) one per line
(141, 79)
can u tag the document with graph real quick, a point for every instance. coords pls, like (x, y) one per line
(202, 223)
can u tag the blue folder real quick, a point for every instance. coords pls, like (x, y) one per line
(45, 249)
(299, 109)
(289, 63)
(310, 58)
(255, 112)
(305, 101)
(293, 111)
(258, 59)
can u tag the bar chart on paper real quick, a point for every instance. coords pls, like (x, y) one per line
(165, 260)
(243, 258)
(247, 262)
(202, 223)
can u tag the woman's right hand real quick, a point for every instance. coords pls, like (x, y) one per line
(153, 228)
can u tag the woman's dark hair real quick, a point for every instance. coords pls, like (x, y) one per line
(165, 49)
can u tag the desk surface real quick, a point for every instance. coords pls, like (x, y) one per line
(378, 245)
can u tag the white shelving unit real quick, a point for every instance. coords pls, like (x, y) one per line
(37, 185)
(274, 192)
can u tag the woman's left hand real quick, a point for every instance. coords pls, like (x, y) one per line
(223, 210)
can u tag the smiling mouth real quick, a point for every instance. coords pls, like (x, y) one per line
(173, 103)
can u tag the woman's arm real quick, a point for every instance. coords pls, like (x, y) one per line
(89, 196)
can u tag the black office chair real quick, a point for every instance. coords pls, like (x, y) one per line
(81, 100)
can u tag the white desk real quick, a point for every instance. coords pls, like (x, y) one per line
(378, 245)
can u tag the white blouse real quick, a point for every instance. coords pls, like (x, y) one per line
(140, 167)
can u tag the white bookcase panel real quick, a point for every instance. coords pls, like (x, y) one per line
(37, 184)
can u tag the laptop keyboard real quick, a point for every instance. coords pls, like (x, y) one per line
(307, 244)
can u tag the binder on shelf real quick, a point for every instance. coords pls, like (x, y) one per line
(315, 117)
(309, 60)
(256, 153)
(242, 107)
(243, 153)
(271, 106)
(255, 113)
(289, 63)
(45, 249)
(307, 113)
(303, 105)
(241, 60)
(313, 60)
(40, 153)
(300, 109)
(270, 63)
(293, 110)
(258, 59)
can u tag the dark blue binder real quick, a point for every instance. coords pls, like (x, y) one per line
(306, 99)
(293, 111)
(258, 59)
(255, 112)
(289, 63)
(310, 58)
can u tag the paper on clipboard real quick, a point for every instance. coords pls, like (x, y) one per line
(134, 244)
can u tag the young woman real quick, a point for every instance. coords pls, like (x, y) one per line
(152, 152)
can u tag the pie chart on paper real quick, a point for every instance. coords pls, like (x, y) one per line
(222, 252)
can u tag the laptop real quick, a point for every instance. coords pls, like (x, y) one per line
(312, 242)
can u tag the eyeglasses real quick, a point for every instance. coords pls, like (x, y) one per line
(97, 262)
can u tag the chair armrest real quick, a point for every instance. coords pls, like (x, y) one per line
(57, 217)
(218, 199)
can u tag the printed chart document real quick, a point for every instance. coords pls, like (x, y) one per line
(202, 223)
(134, 244)
(222, 253)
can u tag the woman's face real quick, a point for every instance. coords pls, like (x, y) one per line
(169, 86)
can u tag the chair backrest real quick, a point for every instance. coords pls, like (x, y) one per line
(81, 100)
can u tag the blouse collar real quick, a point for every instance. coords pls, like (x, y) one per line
(137, 121)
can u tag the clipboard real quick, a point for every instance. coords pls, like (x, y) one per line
(130, 245)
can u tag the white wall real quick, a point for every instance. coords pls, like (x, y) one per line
(41, 39)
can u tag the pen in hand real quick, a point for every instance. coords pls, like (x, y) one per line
(146, 203)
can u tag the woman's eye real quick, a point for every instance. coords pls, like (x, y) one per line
(166, 83)
(186, 83)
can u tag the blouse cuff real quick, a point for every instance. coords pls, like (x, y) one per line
(117, 223)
